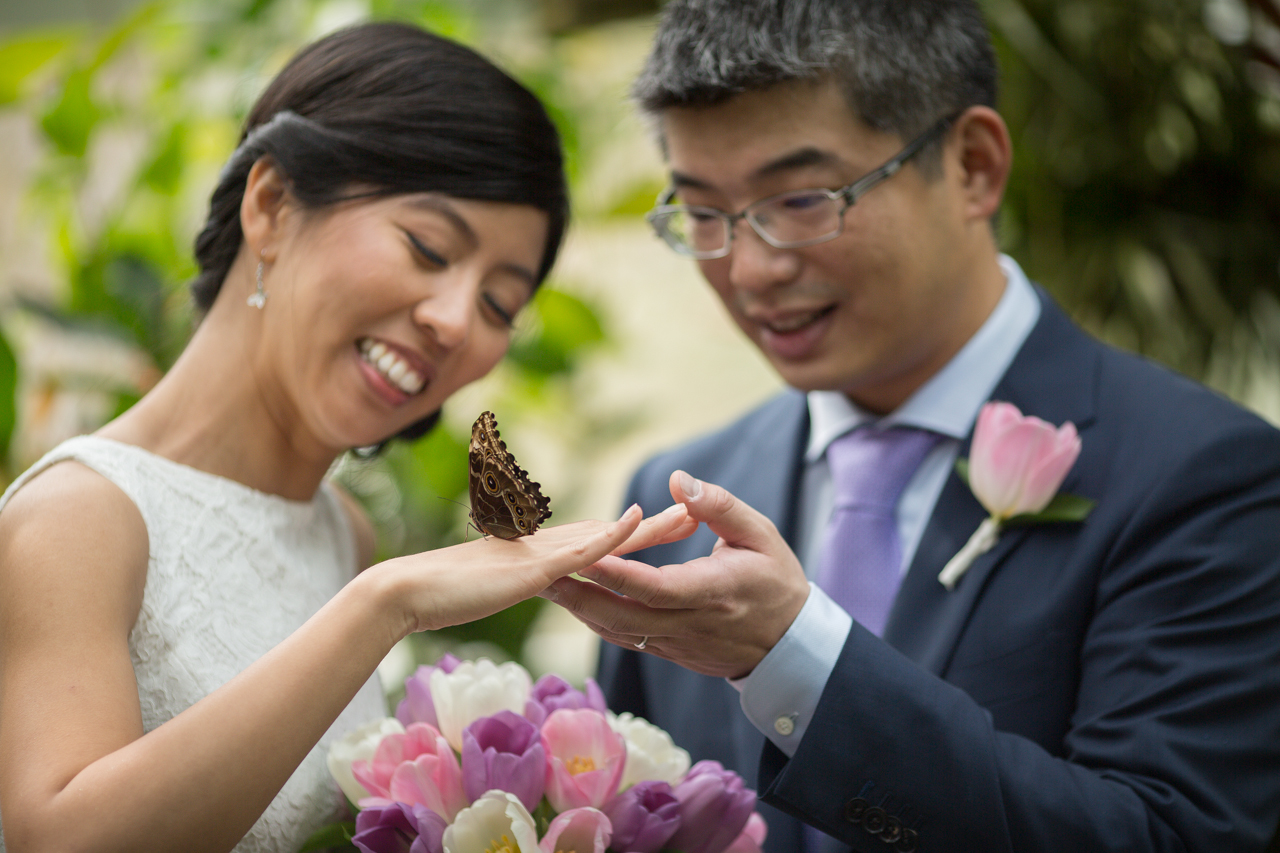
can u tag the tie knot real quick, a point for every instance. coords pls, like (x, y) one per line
(871, 467)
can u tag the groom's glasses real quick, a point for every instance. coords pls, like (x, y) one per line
(787, 221)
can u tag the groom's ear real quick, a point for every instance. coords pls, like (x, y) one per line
(263, 208)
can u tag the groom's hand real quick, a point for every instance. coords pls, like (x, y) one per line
(717, 615)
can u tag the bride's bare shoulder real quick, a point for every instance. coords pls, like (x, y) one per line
(70, 523)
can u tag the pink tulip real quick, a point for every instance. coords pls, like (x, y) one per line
(1017, 463)
(585, 759)
(418, 768)
(584, 830)
(393, 750)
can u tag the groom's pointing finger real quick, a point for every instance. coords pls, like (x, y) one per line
(734, 521)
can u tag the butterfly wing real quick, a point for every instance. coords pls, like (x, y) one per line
(504, 501)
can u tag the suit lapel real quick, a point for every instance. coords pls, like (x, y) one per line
(1052, 377)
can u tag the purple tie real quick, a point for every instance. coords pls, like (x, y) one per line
(861, 565)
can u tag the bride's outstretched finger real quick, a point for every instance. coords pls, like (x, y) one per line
(670, 525)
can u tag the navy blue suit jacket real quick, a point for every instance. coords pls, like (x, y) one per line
(1106, 685)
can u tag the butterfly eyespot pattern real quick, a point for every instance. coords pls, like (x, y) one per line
(504, 501)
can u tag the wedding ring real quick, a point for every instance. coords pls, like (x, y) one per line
(643, 642)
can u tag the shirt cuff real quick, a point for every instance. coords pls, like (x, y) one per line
(781, 694)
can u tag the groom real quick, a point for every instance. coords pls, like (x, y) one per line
(1106, 685)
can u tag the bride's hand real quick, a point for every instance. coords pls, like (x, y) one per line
(465, 582)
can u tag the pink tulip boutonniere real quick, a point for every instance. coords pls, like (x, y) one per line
(1015, 467)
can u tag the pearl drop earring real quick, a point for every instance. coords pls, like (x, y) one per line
(258, 298)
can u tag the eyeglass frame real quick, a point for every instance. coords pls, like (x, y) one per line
(850, 194)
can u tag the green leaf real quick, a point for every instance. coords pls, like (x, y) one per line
(335, 835)
(543, 815)
(164, 172)
(563, 327)
(23, 56)
(1063, 507)
(8, 403)
(72, 119)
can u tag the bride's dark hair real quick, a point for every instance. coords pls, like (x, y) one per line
(382, 109)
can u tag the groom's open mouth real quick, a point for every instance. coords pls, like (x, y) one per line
(794, 334)
(794, 322)
(392, 367)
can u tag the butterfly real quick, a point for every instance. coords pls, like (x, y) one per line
(504, 501)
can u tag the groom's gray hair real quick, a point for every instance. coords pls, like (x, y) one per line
(901, 64)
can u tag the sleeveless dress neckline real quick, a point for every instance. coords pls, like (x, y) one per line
(223, 482)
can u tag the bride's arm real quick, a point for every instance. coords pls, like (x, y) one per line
(76, 771)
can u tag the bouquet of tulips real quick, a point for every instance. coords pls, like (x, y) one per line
(479, 759)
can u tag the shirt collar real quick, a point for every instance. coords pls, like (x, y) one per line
(949, 402)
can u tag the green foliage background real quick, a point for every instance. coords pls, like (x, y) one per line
(1144, 195)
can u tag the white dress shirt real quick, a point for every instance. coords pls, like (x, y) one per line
(782, 692)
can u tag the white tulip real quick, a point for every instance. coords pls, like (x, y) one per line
(652, 755)
(359, 745)
(474, 690)
(496, 823)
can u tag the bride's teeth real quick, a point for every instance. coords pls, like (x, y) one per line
(392, 367)
(411, 382)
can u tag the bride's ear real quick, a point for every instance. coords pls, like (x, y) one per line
(262, 208)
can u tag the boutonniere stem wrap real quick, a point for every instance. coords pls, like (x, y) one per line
(1015, 467)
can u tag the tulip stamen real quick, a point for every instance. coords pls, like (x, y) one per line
(579, 764)
(505, 845)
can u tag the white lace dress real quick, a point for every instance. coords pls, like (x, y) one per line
(232, 572)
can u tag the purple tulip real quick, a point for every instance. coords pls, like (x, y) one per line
(431, 827)
(416, 706)
(644, 817)
(504, 751)
(399, 828)
(551, 693)
(714, 807)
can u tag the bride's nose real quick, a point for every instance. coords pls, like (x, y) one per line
(447, 313)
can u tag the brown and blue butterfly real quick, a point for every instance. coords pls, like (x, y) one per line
(504, 501)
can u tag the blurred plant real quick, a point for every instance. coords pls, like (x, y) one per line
(1145, 189)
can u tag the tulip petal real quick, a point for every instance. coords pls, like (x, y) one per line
(433, 780)
(360, 745)
(651, 753)
(585, 759)
(584, 830)
(1017, 462)
(714, 808)
(644, 817)
(495, 816)
(751, 837)
(505, 752)
(474, 690)
(417, 707)
(1049, 470)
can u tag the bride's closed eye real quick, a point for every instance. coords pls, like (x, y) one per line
(506, 317)
(430, 256)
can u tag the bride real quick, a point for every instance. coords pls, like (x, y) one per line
(179, 623)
